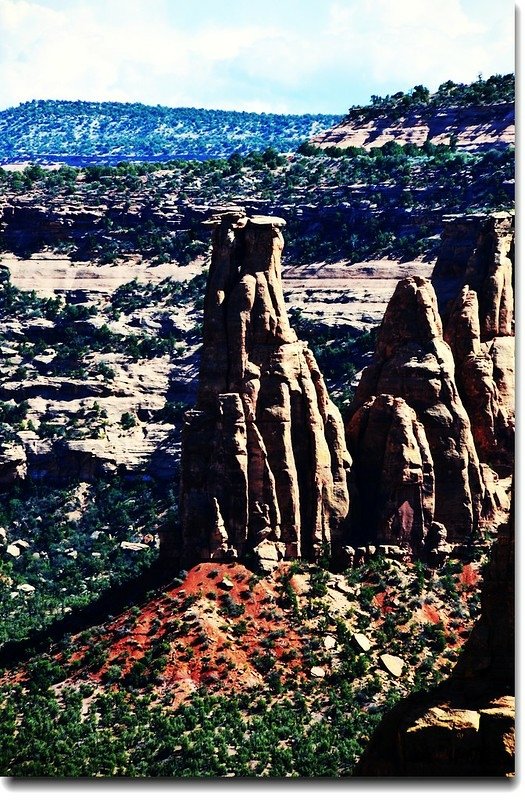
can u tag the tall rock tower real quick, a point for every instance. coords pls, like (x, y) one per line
(264, 460)
(474, 279)
(423, 465)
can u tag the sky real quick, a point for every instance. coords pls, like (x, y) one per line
(283, 56)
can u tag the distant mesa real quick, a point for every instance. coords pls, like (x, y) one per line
(80, 133)
(470, 129)
(469, 117)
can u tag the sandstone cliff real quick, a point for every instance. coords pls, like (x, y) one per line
(474, 128)
(394, 472)
(473, 278)
(465, 727)
(436, 475)
(264, 462)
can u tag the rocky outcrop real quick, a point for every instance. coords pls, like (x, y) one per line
(13, 463)
(466, 726)
(472, 128)
(395, 473)
(485, 379)
(264, 461)
(475, 268)
(477, 250)
(413, 362)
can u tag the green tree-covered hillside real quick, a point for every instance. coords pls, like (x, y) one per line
(63, 130)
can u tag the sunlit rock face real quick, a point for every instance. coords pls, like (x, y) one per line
(264, 460)
(412, 362)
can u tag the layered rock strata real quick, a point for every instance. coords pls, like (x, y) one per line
(438, 471)
(473, 127)
(475, 269)
(264, 460)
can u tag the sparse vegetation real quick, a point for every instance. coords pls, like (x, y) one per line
(73, 557)
(495, 89)
(288, 725)
(70, 131)
(221, 672)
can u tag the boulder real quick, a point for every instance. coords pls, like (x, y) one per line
(362, 641)
(133, 547)
(27, 588)
(393, 664)
(317, 672)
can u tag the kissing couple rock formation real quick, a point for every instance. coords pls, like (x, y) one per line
(266, 470)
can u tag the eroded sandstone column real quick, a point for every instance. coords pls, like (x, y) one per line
(477, 250)
(414, 363)
(395, 475)
(264, 460)
(474, 273)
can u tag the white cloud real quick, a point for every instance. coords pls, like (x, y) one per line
(246, 57)
(417, 41)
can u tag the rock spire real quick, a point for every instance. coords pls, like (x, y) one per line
(264, 460)
(423, 435)
(473, 277)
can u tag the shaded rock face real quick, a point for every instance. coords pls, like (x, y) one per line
(477, 250)
(13, 464)
(476, 262)
(395, 480)
(466, 725)
(413, 362)
(264, 461)
(445, 740)
(488, 656)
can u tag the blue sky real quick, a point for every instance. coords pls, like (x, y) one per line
(288, 56)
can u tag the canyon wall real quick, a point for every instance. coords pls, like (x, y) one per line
(473, 128)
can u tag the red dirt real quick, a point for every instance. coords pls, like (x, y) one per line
(469, 576)
(384, 601)
(430, 613)
(204, 648)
